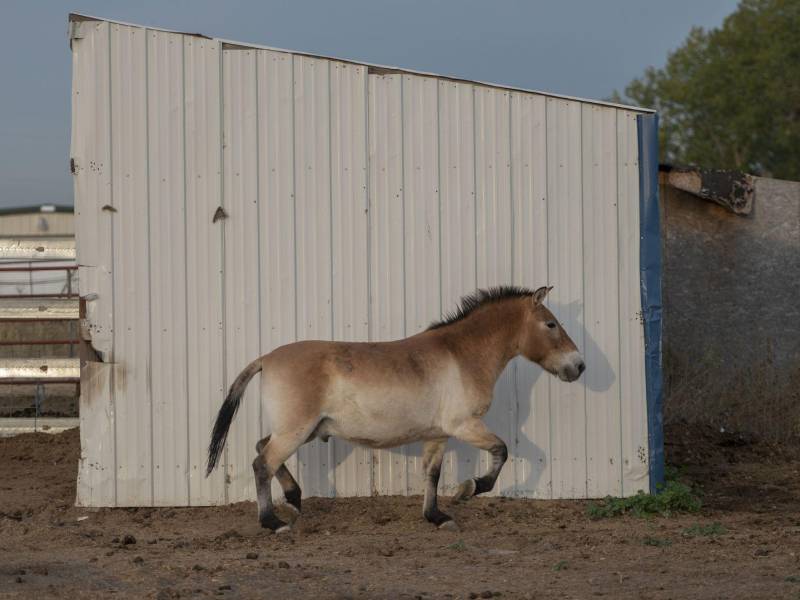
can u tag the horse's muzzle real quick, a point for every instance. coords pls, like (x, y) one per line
(572, 369)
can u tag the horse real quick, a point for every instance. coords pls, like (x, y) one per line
(429, 387)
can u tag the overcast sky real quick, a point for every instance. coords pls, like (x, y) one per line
(583, 48)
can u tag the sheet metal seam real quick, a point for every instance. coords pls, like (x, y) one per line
(258, 234)
(439, 189)
(583, 304)
(149, 362)
(474, 194)
(298, 462)
(331, 446)
(547, 274)
(221, 53)
(404, 448)
(112, 378)
(367, 184)
(619, 315)
(514, 364)
(186, 273)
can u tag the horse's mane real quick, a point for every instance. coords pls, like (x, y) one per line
(474, 301)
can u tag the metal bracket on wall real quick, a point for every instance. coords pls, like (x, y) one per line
(219, 214)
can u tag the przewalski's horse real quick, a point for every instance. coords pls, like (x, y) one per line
(428, 387)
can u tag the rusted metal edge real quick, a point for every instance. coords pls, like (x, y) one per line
(732, 190)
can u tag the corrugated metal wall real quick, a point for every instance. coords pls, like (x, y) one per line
(359, 204)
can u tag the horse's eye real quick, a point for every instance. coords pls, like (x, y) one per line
(551, 324)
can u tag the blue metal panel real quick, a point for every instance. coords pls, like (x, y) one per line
(650, 273)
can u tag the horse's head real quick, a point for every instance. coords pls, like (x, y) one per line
(545, 342)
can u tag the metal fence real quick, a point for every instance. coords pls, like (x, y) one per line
(38, 285)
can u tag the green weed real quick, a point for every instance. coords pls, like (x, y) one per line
(458, 546)
(560, 565)
(675, 497)
(657, 542)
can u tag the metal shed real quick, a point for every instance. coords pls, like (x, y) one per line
(231, 198)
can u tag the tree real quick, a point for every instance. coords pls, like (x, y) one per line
(729, 98)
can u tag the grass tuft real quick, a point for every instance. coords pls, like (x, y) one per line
(657, 542)
(560, 565)
(674, 498)
(458, 546)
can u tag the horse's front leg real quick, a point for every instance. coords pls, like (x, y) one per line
(432, 453)
(475, 433)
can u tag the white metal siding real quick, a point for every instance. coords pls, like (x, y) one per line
(168, 351)
(204, 320)
(359, 204)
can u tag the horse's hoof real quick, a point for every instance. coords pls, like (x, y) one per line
(285, 529)
(465, 491)
(271, 522)
(449, 526)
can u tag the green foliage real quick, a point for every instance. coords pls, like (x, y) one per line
(675, 497)
(657, 542)
(711, 530)
(560, 565)
(729, 98)
(458, 546)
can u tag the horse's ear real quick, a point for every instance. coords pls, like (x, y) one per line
(539, 295)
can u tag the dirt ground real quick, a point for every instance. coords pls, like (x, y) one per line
(380, 547)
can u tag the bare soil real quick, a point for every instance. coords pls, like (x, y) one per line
(381, 548)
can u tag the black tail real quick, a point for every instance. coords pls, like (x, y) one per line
(227, 412)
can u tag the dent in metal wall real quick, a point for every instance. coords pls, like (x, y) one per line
(357, 205)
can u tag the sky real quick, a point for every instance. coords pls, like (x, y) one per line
(585, 48)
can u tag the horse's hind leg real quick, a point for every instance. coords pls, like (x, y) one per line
(475, 433)
(266, 466)
(432, 453)
(291, 489)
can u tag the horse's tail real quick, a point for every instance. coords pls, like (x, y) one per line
(227, 412)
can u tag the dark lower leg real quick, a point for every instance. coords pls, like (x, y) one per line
(266, 510)
(432, 464)
(431, 509)
(477, 434)
(499, 454)
(291, 490)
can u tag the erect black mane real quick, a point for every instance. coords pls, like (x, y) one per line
(474, 301)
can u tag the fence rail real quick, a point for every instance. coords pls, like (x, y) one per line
(37, 249)
(33, 257)
(27, 308)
